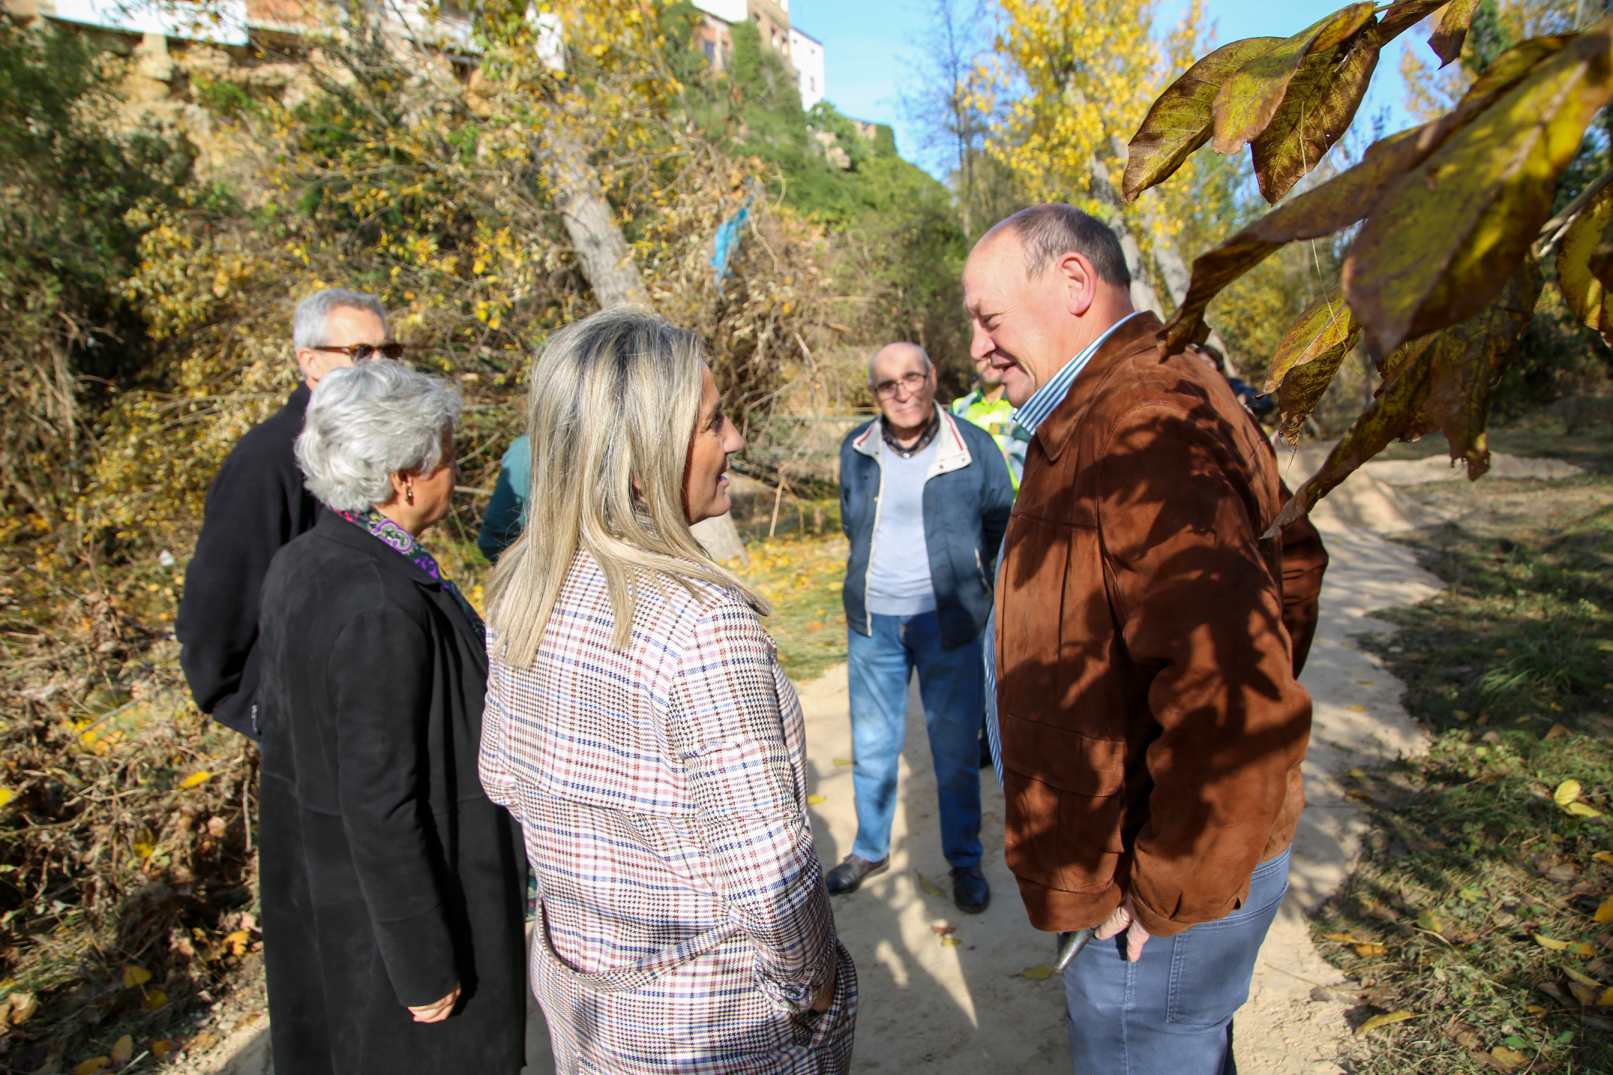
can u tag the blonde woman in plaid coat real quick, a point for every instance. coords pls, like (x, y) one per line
(639, 728)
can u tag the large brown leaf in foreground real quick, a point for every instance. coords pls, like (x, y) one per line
(1308, 356)
(1350, 195)
(1179, 122)
(1316, 111)
(1439, 381)
(1439, 245)
(1249, 98)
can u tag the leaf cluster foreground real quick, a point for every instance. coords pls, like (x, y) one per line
(1450, 219)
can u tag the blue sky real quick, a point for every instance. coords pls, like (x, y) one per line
(870, 49)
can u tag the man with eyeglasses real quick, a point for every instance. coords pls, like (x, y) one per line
(924, 498)
(256, 504)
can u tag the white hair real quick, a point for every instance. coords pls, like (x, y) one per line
(925, 355)
(368, 422)
(308, 322)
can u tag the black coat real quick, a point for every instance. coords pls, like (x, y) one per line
(387, 875)
(255, 505)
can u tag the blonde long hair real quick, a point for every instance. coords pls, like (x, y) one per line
(612, 407)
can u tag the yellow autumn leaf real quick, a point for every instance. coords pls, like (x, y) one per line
(161, 1048)
(950, 941)
(1582, 993)
(93, 1066)
(1604, 913)
(122, 1051)
(1582, 978)
(135, 975)
(154, 999)
(841, 763)
(1604, 857)
(817, 800)
(1582, 810)
(237, 941)
(1606, 999)
(1508, 1059)
(1369, 950)
(1551, 943)
(1566, 793)
(6, 795)
(196, 779)
(1342, 938)
(23, 1005)
(1386, 1019)
(1039, 972)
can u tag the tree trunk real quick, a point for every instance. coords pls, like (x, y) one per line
(602, 252)
(607, 264)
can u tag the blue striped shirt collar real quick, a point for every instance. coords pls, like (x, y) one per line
(1046, 398)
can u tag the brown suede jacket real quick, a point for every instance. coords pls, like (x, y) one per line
(1147, 641)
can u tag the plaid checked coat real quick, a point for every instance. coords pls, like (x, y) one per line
(683, 922)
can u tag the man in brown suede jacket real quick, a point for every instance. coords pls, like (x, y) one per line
(1150, 721)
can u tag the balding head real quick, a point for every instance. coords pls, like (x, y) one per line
(899, 349)
(1039, 287)
(902, 378)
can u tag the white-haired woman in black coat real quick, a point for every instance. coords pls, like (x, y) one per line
(391, 887)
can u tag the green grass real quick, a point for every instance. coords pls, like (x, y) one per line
(1471, 860)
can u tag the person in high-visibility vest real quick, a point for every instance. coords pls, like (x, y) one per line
(987, 407)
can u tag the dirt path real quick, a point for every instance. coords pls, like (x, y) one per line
(980, 1003)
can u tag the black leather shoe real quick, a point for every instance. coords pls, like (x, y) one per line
(847, 876)
(969, 890)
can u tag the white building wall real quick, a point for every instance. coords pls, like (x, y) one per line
(221, 23)
(729, 11)
(807, 55)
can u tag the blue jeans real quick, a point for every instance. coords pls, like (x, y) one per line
(1171, 1011)
(880, 665)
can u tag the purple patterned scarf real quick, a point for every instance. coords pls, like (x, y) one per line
(406, 545)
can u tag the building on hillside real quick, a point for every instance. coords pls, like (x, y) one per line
(772, 19)
(806, 53)
(714, 38)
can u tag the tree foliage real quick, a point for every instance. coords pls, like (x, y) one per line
(1440, 278)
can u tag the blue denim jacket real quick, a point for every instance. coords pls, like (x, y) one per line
(967, 499)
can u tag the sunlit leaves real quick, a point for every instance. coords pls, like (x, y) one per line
(1469, 360)
(1335, 204)
(1406, 13)
(1250, 97)
(1438, 381)
(1447, 234)
(1307, 358)
(1179, 121)
(1315, 112)
(1583, 287)
(1448, 36)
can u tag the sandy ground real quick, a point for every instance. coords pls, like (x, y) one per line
(983, 1003)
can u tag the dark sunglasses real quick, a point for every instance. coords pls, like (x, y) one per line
(363, 352)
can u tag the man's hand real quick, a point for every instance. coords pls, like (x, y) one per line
(1123, 920)
(436, 1011)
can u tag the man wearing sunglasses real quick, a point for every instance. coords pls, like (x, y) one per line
(924, 498)
(256, 504)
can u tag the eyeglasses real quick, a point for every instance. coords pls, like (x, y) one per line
(363, 352)
(910, 381)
